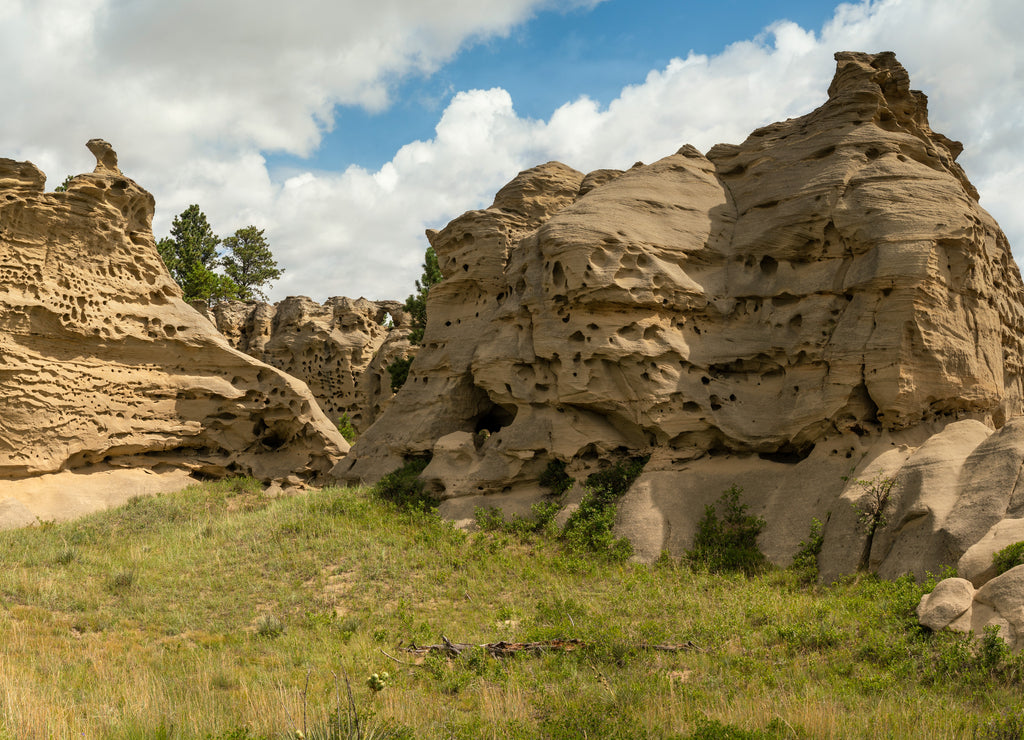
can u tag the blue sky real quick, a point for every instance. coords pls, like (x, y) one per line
(345, 128)
(552, 58)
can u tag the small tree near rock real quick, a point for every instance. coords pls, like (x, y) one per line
(871, 509)
(416, 306)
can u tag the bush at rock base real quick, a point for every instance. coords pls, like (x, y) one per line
(1009, 557)
(728, 543)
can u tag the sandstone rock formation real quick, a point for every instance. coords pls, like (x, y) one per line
(827, 297)
(956, 605)
(106, 368)
(340, 349)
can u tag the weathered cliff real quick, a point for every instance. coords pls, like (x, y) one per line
(340, 349)
(107, 368)
(826, 297)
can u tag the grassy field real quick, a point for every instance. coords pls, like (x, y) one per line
(220, 613)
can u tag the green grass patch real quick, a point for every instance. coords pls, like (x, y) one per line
(251, 618)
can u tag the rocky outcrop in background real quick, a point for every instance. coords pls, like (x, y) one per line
(825, 299)
(340, 349)
(107, 371)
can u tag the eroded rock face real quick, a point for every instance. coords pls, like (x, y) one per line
(340, 349)
(823, 298)
(106, 367)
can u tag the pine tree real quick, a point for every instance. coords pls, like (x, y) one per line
(190, 254)
(416, 304)
(249, 263)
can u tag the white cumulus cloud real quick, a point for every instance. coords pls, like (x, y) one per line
(194, 93)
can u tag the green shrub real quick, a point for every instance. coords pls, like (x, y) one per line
(491, 519)
(1008, 726)
(399, 372)
(555, 478)
(267, 625)
(403, 487)
(66, 556)
(1009, 557)
(345, 427)
(589, 529)
(992, 649)
(805, 561)
(729, 543)
(121, 581)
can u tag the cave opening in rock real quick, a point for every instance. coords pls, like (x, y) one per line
(494, 418)
(269, 437)
(789, 453)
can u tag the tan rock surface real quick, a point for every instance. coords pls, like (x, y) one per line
(999, 603)
(57, 497)
(820, 299)
(106, 367)
(977, 564)
(333, 348)
(1004, 596)
(947, 601)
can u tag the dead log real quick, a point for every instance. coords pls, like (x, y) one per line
(503, 649)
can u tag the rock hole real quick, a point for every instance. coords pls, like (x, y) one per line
(558, 275)
(788, 454)
(494, 419)
(269, 437)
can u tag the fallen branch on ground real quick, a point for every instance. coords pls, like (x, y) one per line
(503, 649)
